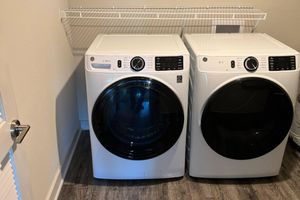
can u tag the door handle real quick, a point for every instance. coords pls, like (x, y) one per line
(18, 131)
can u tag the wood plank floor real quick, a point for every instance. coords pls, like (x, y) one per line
(80, 184)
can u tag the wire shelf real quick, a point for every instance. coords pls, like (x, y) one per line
(82, 25)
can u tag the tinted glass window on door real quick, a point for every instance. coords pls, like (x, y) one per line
(247, 118)
(137, 118)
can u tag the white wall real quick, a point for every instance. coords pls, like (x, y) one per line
(283, 23)
(42, 68)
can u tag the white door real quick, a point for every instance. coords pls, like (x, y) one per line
(14, 177)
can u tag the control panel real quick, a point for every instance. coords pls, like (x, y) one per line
(135, 63)
(166, 63)
(250, 63)
(282, 63)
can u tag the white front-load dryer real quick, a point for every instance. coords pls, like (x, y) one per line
(137, 91)
(243, 88)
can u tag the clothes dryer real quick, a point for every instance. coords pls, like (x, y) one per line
(243, 91)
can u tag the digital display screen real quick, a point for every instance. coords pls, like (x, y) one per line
(169, 63)
(282, 61)
(279, 63)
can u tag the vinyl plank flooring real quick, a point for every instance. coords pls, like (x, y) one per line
(80, 184)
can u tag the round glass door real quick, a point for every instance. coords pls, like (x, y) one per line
(137, 118)
(247, 118)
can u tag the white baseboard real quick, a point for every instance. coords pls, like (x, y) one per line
(84, 124)
(62, 171)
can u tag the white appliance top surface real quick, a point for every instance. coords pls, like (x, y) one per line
(136, 44)
(236, 44)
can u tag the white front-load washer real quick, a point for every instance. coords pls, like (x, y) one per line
(137, 91)
(243, 88)
(295, 129)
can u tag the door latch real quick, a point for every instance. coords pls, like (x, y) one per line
(18, 131)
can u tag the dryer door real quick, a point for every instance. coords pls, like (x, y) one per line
(137, 118)
(247, 118)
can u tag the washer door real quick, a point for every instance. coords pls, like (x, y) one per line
(137, 118)
(247, 118)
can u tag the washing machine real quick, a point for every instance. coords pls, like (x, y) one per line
(137, 92)
(295, 130)
(242, 94)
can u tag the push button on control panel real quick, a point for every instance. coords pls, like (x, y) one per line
(119, 63)
(232, 64)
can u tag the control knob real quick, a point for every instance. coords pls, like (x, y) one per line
(251, 64)
(137, 63)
